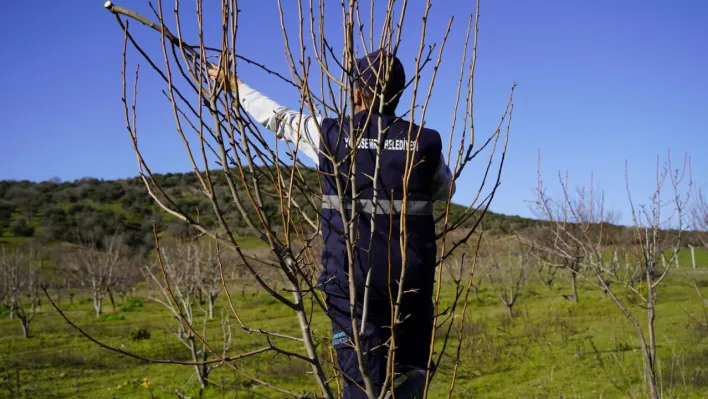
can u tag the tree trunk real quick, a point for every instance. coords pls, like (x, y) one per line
(97, 304)
(205, 369)
(574, 283)
(511, 311)
(212, 300)
(652, 386)
(113, 303)
(25, 328)
(197, 370)
(651, 361)
(651, 315)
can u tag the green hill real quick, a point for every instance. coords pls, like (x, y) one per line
(52, 211)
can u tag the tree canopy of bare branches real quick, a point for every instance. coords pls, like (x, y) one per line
(179, 275)
(244, 176)
(578, 236)
(20, 271)
(94, 266)
(507, 274)
(699, 214)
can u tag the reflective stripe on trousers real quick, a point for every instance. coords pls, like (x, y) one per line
(383, 206)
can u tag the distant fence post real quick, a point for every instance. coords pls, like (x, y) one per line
(693, 255)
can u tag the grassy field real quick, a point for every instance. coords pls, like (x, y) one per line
(551, 348)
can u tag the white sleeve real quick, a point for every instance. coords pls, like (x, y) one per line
(286, 123)
(442, 180)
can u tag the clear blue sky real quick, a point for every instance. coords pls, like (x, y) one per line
(600, 82)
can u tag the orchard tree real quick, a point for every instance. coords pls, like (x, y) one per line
(658, 230)
(699, 216)
(20, 269)
(268, 192)
(507, 275)
(178, 277)
(94, 265)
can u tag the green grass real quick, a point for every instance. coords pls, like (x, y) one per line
(250, 242)
(551, 348)
(701, 257)
(12, 240)
(246, 242)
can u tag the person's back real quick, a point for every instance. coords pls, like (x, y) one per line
(379, 209)
(409, 166)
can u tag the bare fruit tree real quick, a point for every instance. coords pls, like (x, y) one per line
(94, 265)
(176, 274)
(507, 275)
(20, 269)
(5, 292)
(699, 216)
(545, 264)
(573, 214)
(208, 274)
(658, 231)
(546, 272)
(244, 176)
(127, 276)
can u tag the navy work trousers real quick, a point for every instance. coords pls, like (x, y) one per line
(412, 343)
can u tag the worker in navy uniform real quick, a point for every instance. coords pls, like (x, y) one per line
(377, 256)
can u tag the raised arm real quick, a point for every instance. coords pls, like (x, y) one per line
(288, 124)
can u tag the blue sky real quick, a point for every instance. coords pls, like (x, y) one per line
(600, 82)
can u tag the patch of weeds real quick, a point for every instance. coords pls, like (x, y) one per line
(258, 299)
(530, 292)
(139, 334)
(700, 325)
(534, 328)
(269, 301)
(67, 360)
(248, 298)
(505, 323)
(563, 327)
(289, 369)
(481, 346)
(111, 316)
(132, 305)
(697, 374)
(70, 305)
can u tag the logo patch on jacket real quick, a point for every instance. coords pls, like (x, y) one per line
(389, 144)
